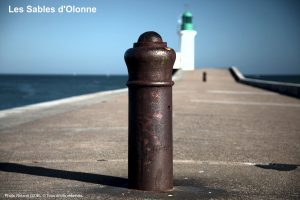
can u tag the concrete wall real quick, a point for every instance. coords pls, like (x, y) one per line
(290, 89)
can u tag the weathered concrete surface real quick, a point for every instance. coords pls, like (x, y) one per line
(225, 136)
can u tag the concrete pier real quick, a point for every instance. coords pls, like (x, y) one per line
(231, 141)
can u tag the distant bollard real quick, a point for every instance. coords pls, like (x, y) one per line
(150, 149)
(204, 76)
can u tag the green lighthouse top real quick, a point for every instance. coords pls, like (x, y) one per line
(186, 23)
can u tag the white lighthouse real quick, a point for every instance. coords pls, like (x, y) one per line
(185, 59)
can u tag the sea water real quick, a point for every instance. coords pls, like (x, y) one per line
(21, 90)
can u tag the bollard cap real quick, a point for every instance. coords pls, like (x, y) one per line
(150, 61)
(150, 38)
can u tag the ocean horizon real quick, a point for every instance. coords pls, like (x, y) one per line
(18, 90)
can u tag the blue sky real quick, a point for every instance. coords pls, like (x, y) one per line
(258, 36)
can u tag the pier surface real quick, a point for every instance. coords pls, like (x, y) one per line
(231, 141)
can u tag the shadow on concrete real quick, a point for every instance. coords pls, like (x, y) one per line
(183, 189)
(278, 166)
(63, 174)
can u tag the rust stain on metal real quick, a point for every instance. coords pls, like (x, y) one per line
(150, 148)
(155, 95)
(158, 115)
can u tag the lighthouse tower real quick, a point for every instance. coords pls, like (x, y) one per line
(187, 42)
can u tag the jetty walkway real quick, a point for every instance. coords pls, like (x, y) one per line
(231, 141)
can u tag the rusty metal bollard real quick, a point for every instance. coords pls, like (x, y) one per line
(204, 76)
(150, 149)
